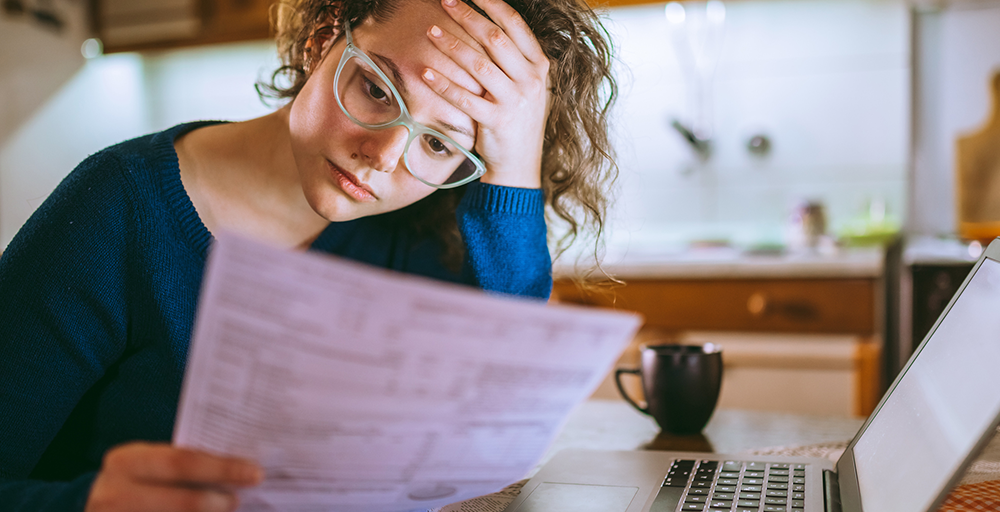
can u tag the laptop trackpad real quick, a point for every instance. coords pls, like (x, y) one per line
(551, 497)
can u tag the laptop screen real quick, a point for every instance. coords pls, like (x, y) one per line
(939, 409)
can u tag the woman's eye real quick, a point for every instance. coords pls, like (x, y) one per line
(438, 147)
(377, 92)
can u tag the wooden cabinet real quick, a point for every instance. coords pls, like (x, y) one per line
(127, 25)
(771, 305)
(130, 25)
(797, 342)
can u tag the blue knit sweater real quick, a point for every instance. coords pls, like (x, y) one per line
(98, 292)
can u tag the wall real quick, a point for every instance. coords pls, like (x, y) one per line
(104, 101)
(827, 80)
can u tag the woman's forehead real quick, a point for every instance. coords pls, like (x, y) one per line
(403, 39)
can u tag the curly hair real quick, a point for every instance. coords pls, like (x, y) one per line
(578, 167)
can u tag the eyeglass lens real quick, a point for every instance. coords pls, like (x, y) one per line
(429, 156)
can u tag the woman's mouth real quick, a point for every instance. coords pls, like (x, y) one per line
(351, 185)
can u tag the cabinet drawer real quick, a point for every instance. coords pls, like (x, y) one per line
(774, 305)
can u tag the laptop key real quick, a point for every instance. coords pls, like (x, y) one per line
(777, 494)
(753, 481)
(776, 501)
(698, 490)
(732, 465)
(777, 485)
(798, 480)
(756, 466)
(779, 472)
(774, 508)
(798, 487)
(798, 504)
(783, 479)
(749, 495)
(753, 474)
(693, 506)
(723, 496)
(751, 488)
(725, 488)
(729, 474)
(748, 503)
(728, 481)
(667, 500)
(694, 498)
(726, 504)
(701, 484)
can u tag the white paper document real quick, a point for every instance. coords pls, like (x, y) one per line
(361, 389)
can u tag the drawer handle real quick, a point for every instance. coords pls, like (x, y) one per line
(757, 304)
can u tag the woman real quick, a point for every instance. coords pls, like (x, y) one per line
(420, 136)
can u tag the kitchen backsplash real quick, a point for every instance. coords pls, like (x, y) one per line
(826, 81)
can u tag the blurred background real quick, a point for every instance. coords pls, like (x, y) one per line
(793, 185)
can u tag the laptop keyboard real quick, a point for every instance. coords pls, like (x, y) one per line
(738, 486)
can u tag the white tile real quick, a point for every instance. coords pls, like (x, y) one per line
(827, 81)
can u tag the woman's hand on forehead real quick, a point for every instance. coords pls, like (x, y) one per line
(513, 70)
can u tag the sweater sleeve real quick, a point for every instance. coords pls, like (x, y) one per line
(505, 238)
(62, 325)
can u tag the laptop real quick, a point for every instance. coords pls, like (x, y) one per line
(939, 413)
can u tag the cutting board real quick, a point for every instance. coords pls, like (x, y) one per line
(978, 177)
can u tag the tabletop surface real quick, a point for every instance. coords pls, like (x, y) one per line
(730, 263)
(614, 425)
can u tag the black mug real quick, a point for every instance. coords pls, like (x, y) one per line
(681, 384)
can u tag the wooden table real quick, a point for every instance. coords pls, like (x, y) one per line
(614, 425)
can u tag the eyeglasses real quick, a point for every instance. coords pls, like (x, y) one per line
(368, 98)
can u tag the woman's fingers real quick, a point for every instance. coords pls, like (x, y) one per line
(495, 45)
(161, 463)
(158, 477)
(478, 108)
(512, 27)
(154, 498)
(482, 68)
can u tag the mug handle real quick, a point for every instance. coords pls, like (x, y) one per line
(621, 389)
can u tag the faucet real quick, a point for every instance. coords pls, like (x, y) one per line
(703, 147)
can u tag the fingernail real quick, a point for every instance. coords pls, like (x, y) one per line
(436, 31)
(451, 3)
(253, 474)
(429, 75)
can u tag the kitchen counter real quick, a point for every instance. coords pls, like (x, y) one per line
(730, 263)
(803, 297)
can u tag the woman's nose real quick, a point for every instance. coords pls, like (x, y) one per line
(383, 149)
